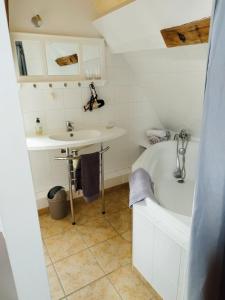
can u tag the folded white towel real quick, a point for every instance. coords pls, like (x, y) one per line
(156, 132)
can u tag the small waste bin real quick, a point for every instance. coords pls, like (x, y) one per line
(57, 199)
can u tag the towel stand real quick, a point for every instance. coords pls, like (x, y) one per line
(72, 155)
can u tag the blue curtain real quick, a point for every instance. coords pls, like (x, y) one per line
(206, 278)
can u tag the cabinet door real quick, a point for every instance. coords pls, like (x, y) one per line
(66, 52)
(166, 265)
(93, 60)
(143, 246)
(29, 57)
(48, 58)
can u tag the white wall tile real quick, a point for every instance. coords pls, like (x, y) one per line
(54, 99)
(72, 98)
(74, 115)
(55, 120)
(126, 106)
(173, 82)
(32, 99)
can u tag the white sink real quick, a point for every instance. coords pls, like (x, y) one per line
(79, 135)
(75, 139)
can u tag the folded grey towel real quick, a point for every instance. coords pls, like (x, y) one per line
(88, 176)
(141, 186)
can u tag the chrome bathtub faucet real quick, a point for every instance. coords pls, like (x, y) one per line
(69, 126)
(182, 139)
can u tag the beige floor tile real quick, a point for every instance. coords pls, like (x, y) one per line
(55, 287)
(47, 257)
(98, 290)
(86, 211)
(113, 203)
(78, 270)
(121, 221)
(50, 227)
(124, 194)
(64, 244)
(127, 236)
(95, 231)
(130, 286)
(112, 253)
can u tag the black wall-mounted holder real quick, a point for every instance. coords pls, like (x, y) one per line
(94, 102)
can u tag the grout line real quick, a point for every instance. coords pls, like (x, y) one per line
(72, 227)
(86, 285)
(46, 250)
(118, 293)
(88, 247)
(52, 265)
(106, 275)
(101, 277)
(97, 262)
(120, 233)
(57, 275)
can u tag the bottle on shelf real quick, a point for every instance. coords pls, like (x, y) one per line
(38, 127)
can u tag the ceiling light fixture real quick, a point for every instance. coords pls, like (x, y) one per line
(36, 20)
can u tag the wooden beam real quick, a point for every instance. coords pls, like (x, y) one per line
(187, 34)
(67, 60)
(104, 7)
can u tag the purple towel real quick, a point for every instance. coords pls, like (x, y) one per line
(141, 187)
(88, 176)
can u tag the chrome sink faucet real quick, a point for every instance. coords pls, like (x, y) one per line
(69, 126)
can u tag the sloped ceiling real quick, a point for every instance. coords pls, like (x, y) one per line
(70, 17)
(137, 26)
(173, 79)
(103, 7)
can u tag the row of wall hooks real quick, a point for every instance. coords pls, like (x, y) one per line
(50, 85)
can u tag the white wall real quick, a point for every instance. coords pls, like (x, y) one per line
(167, 83)
(126, 105)
(7, 284)
(17, 206)
(173, 81)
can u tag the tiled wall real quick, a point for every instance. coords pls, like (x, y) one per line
(126, 105)
(173, 81)
(145, 89)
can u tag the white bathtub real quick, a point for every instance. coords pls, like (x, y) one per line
(161, 231)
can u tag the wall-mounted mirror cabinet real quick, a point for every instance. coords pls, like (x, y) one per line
(45, 58)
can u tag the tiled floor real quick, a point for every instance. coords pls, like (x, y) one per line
(92, 260)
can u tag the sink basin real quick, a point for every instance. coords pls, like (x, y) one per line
(79, 135)
(77, 139)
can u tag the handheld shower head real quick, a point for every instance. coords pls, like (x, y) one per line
(182, 151)
(177, 173)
